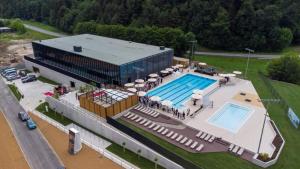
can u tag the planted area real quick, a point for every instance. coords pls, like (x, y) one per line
(15, 91)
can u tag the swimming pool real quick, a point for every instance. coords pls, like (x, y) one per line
(231, 117)
(180, 90)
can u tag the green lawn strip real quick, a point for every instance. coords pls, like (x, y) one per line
(290, 93)
(30, 34)
(45, 80)
(42, 26)
(129, 156)
(15, 91)
(132, 157)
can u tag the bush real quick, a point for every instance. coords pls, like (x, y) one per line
(286, 68)
(18, 26)
(264, 156)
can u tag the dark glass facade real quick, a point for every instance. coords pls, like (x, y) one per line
(102, 72)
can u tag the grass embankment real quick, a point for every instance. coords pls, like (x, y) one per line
(45, 80)
(30, 34)
(290, 153)
(43, 26)
(114, 148)
(15, 91)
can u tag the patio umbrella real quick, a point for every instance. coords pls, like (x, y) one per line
(132, 90)
(198, 91)
(155, 98)
(129, 85)
(197, 96)
(169, 69)
(231, 75)
(179, 65)
(139, 81)
(152, 80)
(153, 75)
(139, 85)
(237, 72)
(141, 93)
(167, 103)
(164, 71)
(174, 67)
(202, 64)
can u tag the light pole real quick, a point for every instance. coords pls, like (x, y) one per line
(263, 127)
(249, 52)
(193, 42)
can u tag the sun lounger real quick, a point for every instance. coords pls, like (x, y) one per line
(200, 147)
(147, 123)
(165, 132)
(179, 138)
(230, 147)
(160, 130)
(134, 117)
(194, 144)
(211, 139)
(203, 135)
(235, 149)
(207, 137)
(156, 115)
(156, 128)
(138, 119)
(130, 116)
(143, 121)
(240, 152)
(189, 142)
(184, 140)
(152, 125)
(174, 136)
(127, 114)
(170, 133)
(199, 134)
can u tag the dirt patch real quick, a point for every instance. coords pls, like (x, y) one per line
(87, 158)
(12, 53)
(11, 156)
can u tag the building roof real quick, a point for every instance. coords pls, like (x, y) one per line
(109, 50)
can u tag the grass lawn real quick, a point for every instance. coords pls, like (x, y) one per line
(53, 115)
(290, 154)
(15, 91)
(45, 80)
(6, 37)
(42, 26)
(290, 93)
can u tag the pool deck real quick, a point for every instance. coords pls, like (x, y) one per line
(248, 135)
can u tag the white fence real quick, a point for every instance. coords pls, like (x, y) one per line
(99, 126)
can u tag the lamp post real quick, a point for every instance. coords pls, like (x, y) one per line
(263, 127)
(249, 52)
(193, 42)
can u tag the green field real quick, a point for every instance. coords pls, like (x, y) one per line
(290, 154)
(42, 26)
(32, 35)
(15, 91)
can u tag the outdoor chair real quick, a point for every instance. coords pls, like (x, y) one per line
(235, 149)
(147, 123)
(199, 134)
(127, 114)
(152, 125)
(183, 140)
(194, 144)
(156, 128)
(135, 117)
(207, 137)
(240, 152)
(230, 147)
(160, 130)
(174, 136)
(189, 142)
(179, 138)
(200, 147)
(131, 115)
(170, 133)
(143, 121)
(211, 139)
(165, 132)
(203, 135)
(138, 119)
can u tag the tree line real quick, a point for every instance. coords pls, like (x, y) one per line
(218, 24)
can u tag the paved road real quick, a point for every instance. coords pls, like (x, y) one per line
(243, 55)
(36, 150)
(44, 31)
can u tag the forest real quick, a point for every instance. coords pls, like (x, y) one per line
(268, 25)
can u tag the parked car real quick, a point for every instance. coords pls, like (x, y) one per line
(208, 71)
(12, 77)
(29, 78)
(22, 73)
(30, 124)
(23, 116)
(8, 71)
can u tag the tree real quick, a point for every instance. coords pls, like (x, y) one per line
(286, 68)
(18, 26)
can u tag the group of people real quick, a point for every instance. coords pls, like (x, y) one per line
(151, 85)
(180, 115)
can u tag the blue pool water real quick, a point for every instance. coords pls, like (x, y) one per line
(231, 117)
(181, 89)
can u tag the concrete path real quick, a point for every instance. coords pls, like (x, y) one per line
(34, 28)
(241, 55)
(32, 143)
